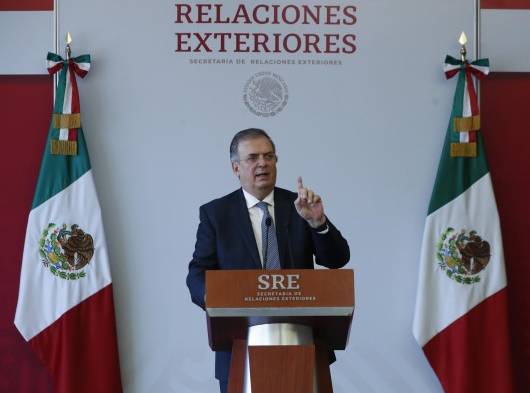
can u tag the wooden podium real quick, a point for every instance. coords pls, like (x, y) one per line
(280, 326)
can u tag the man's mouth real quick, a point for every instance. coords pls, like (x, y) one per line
(261, 175)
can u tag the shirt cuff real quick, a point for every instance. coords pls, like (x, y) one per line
(323, 229)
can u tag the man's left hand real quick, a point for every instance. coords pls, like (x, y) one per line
(309, 206)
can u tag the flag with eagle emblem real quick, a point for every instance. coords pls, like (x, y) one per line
(461, 318)
(65, 306)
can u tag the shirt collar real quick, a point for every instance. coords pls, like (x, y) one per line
(253, 201)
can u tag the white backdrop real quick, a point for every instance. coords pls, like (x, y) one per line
(366, 135)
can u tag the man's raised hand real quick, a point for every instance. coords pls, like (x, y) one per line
(309, 205)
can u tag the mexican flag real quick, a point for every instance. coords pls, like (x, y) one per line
(460, 319)
(65, 306)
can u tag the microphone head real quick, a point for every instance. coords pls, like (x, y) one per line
(268, 221)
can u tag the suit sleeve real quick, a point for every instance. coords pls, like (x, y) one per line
(204, 258)
(331, 249)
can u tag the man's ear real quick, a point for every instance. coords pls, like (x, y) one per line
(235, 168)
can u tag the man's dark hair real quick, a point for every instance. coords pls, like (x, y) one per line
(249, 133)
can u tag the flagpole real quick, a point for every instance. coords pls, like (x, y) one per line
(56, 40)
(476, 46)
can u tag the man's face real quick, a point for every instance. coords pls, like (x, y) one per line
(256, 168)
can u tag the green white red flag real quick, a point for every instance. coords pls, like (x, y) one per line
(461, 319)
(65, 305)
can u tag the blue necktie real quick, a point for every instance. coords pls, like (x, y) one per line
(269, 242)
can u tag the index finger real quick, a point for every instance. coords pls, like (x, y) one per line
(299, 181)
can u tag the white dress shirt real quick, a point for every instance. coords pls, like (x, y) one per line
(256, 215)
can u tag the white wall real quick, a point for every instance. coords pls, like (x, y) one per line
(367, 135)
(500, 30)
(25, 37)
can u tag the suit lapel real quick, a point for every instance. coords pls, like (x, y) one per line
(282, 212)
(242, 220)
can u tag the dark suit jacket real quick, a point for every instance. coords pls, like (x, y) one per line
(225, 240)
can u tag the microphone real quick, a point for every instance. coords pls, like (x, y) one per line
(268, 223)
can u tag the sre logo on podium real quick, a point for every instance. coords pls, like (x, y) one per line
(278, 281)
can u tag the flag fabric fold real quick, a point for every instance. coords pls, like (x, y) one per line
(65, 306)
(460, 318)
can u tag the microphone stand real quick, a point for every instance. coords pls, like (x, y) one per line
(289, 249)
(268, 222)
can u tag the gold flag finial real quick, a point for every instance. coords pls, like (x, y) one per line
(68, 48)
(463, 41)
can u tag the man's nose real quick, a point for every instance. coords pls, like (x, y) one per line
(262, 161)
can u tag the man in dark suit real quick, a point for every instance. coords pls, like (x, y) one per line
(261, 226)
